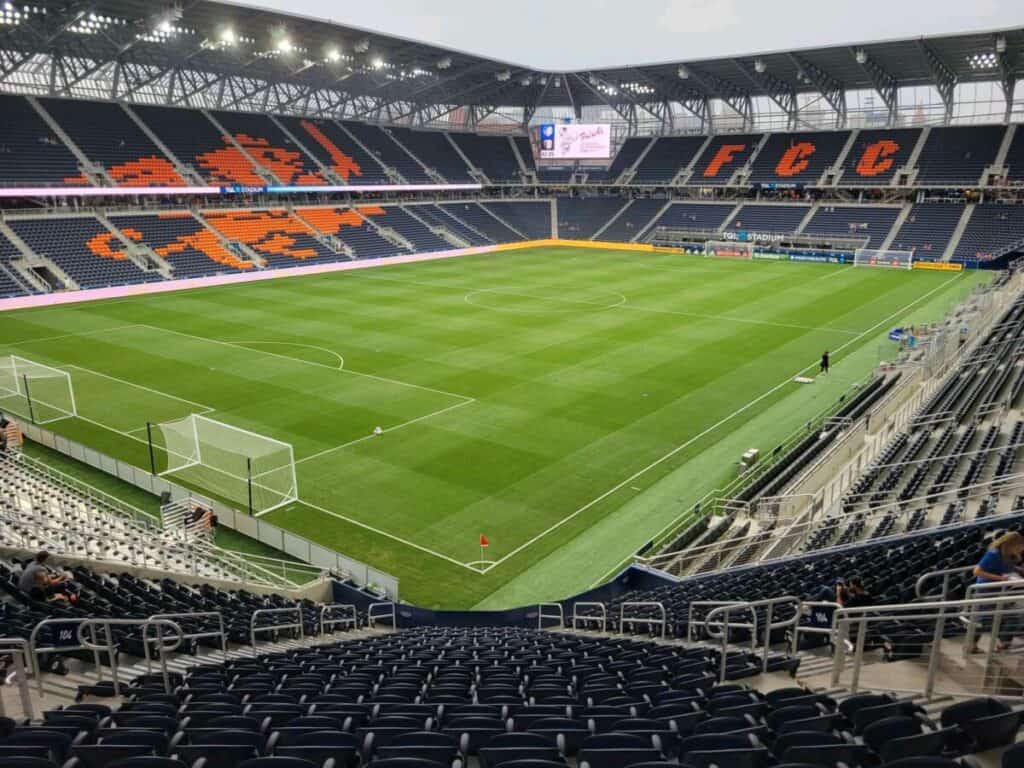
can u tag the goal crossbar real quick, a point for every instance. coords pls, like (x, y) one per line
(35, 390)
(729, 249)
(891, 259)
(237, 464)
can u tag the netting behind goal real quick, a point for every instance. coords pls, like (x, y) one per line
(867, 257)
(728, 249)
(252, 470)
(34, 391)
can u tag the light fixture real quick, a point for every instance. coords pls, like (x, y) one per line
(362, 46)
(760, 66)
(503, 76)
(526, 81)
(861, 56)
(444, 63)
(683, 72)
(378, 63)
(227, 36)
(333, 54)
(284, 45)
(1000, 44)
(987, 60)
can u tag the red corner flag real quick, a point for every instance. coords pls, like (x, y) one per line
(483, 541)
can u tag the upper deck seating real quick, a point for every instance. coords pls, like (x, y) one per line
(668, 156)
(388, 153)
(433, 149)
(491, 154)
(195, 141)
(797, 158)
(336, 150)
(723, 156)
(30, 152)
(108, 136)
(271, 148)
(877, 154)
(958, 155)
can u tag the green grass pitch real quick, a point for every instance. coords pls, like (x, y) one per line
(567, 403)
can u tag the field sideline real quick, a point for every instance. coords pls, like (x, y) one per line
(566, 403)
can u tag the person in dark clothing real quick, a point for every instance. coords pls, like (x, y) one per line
(852, 594)
(40, 583)
(824, 362)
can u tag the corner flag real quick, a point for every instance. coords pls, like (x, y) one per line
(483, 541)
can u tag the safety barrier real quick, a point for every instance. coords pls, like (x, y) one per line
(111, 647)
(17, 648)
(380, 611)
(559, 616)
(633, 620)
(582, 617)
(254, 630)
(349, 620)
(201, 635)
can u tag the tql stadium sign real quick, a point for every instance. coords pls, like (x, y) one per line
(753, 237)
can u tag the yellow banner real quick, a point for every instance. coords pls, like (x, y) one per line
(939, 266)
(599, 244)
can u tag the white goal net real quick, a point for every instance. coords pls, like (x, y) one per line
(867, 257)
(240, 466)
(728, 249)
(35, 391)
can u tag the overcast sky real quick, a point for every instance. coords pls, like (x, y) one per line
(579, 34)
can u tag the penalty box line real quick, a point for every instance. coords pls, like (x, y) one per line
(709, 430)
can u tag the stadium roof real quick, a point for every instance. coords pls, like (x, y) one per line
(215, 54)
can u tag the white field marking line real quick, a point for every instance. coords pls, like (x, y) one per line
(837, 272)
(67, 335)
(341, 360)
(623, 304)
(386, 430)
(310, 362)
(710, 429)
(205, 408)
(379, 532)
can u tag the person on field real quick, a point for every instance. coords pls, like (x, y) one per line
(824, 362)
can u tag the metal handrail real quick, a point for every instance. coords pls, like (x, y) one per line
(221, 633)
(35, 650)
(945, 574)
(807, 607)
(663, 621)
(351, 620)
(577, 616)
(111, 647)
(253, 629)
(387, 612)
(541, 616)
(939, 611)
(17, 648)
(727, 611)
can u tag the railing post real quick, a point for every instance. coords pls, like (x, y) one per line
(933, 657)
(839, 650)
(858, 653)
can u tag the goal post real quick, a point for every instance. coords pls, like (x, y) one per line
(868, 257)
(728, 249)
(36, 391)
(249, 469)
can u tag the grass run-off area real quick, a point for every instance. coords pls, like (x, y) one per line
(566, 403)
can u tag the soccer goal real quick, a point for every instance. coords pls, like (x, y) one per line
(866, 257)
(34, 391)
(728, 249)
(253, 470)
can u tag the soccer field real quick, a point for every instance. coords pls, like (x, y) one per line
(566, 403)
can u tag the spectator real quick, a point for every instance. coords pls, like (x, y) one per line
(39, 583)
(853, 594)
(999, 564)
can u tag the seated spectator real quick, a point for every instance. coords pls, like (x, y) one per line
(852, 594)
(40, 583)
(1002, 562)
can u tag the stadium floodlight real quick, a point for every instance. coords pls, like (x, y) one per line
(1000, 44)
(378, 63)
(759, 66)
(503, 76)
(444, 63)
(333, 54)
(683, 72)
(526, 81)
(861, 56)
(244, 467)
(227, 36)
(284, 45)
(35, 391)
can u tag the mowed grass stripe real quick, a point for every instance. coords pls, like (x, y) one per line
(566, 403)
